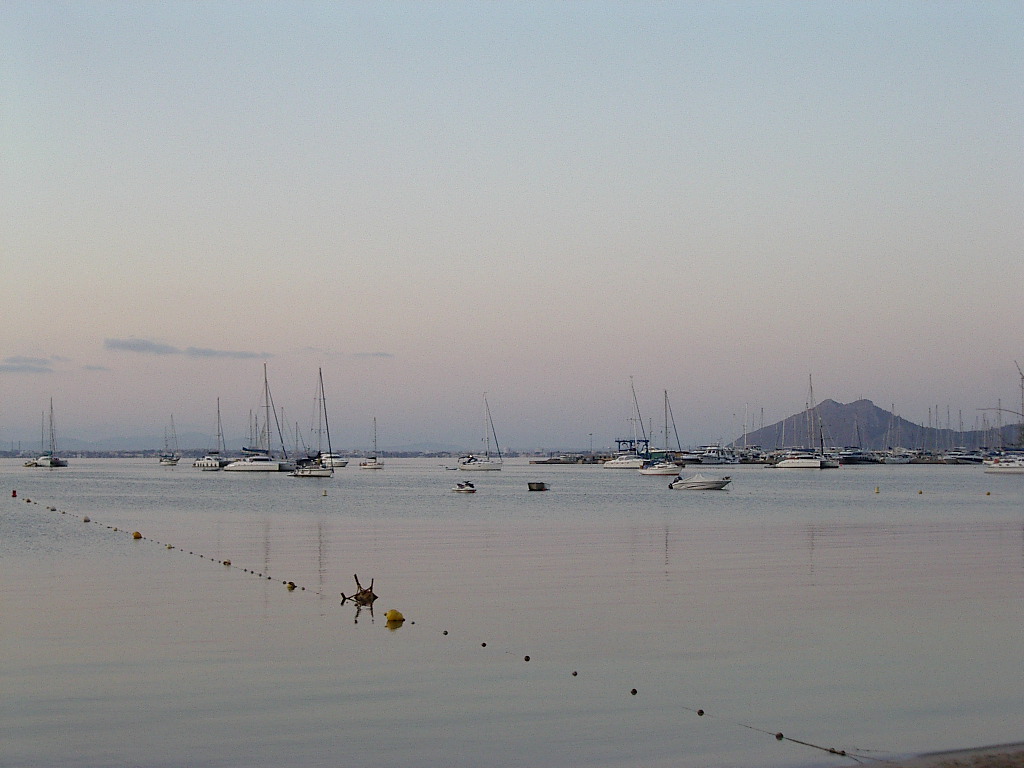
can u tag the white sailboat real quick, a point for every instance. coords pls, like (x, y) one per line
(214, 459)
(473, 463)
(170, 457)
(260, 458)
(314, 467)
(48, 459)
(631, 454)
(663, 466)
(806, 459)
(372, 462)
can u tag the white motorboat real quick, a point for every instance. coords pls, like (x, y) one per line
(716, 454)
(212, 461)
(333, 460)
(625, 461)
(472, 463)
(660, 468)
(962, 456)
(464, 487)
(800, 460)
(1006, 465)
(699, 482)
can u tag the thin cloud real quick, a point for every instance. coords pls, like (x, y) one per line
(143, 346)
(147, 347)
(201, 352)
(18, 364)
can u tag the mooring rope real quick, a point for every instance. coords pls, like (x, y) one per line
(858, 755)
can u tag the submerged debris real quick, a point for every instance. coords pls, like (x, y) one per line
(362, 596)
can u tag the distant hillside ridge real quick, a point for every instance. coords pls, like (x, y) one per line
(865, 425)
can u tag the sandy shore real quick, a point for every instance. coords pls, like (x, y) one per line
(1001, 756)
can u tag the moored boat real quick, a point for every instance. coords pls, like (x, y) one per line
(314, 467)
(473, 463)
(660, 468)
(1005, 465)
(48, 459)
(699, 482)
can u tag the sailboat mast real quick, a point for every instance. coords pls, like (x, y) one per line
(490, 427)
(53, 434)
(323, 402)
(636, 405)
(220, 431)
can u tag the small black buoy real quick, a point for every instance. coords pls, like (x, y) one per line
(445, 632)
(779, 736)
(574, 673)
(483, 645)
(526, 658)
(700, 713)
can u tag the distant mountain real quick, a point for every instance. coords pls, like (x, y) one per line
(864, 424)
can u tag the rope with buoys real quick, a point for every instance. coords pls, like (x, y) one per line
(394, 620)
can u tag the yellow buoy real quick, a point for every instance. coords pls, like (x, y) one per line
(394, 615)
(136, 535)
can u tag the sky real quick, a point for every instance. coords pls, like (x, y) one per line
(535, 200)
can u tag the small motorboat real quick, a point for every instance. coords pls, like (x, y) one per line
(464, 487)
(700, 482)
(660, 468)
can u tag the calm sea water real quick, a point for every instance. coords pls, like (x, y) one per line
(800, 602)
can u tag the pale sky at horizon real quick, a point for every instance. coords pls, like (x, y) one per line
(433, 200)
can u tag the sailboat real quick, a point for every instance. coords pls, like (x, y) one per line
(48, 459)
(170, 456)
(373, 462)
(260, 458)
(631, 454)
(663, 466)
(805, 459)
(214, 459)
(315, 468)
(473, 463)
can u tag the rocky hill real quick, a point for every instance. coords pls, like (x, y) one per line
(864, 424)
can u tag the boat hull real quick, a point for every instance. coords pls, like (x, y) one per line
(312, 472)
(661, 469)
(479, 465)
(248, 465)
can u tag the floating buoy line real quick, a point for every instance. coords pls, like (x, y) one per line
(394, 619)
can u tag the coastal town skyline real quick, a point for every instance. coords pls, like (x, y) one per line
(539, 201)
